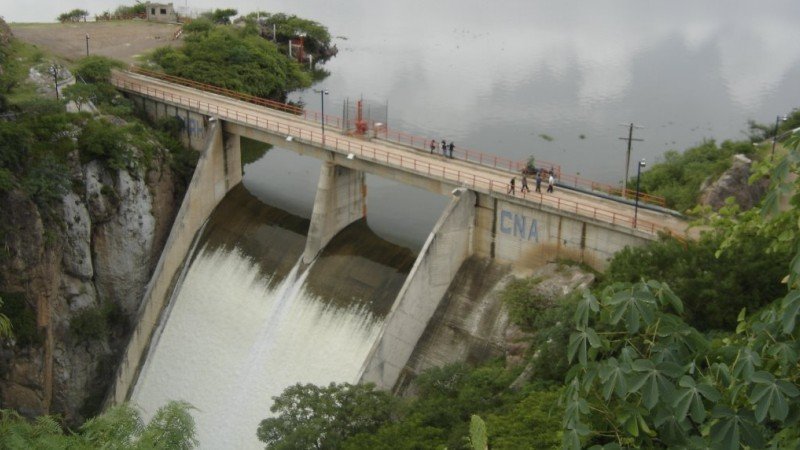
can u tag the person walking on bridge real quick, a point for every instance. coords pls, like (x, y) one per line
(539, 181)
(444, 148)
(451, 147)
(524, 187)
(550, 182)
(433, 145)
(511, 185)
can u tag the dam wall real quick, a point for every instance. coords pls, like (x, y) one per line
(447, 247)
(217, 171)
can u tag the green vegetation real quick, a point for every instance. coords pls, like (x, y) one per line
(20, 317)
(120, 427)
(679, 177)
(317, 39)
(76, 15)
(232, 58)
(546, 137)
(97, 322)
(220, 16)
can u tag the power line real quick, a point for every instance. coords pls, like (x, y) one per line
(630, 139)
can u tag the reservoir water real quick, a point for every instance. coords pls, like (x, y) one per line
(552, 79)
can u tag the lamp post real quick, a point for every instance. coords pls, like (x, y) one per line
(641, 164)
(322, 93)
(87, 44)
(778, 120)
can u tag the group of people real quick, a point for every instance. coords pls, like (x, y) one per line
(551, 181)
(446, 148)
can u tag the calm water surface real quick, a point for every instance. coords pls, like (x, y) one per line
(497, 75)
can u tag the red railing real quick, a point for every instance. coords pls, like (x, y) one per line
(332, 121)
(346, 145)
(578, 181)
(417, 142)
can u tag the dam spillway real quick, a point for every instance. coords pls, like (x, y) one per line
(247, 321)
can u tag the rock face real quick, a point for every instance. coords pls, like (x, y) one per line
(92, 260)
(734, 183)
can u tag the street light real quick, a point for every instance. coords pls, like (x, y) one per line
(641, 164)
(322, 93)
(778, 120)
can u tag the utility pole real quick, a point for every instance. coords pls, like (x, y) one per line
(630, 139)
(87, 44)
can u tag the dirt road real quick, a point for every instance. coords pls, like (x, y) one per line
(122, 40)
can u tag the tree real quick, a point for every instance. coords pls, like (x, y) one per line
(221, 16)
(310, 416)
(96, 69)
(234, 59)
(80, 93)
(76, 15)
(644, 378)
(120, 427)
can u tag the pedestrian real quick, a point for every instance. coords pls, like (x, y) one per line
(511, 186)
(550, 182)
(433, 145)
(444, 148)
(524, 187)
(451, 147)
(539, 181)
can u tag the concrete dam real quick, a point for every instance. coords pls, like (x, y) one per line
(248, 298)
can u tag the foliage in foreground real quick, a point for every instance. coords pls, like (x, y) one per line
(121, 427)
(644, 378)
(439, 416)
(713, 284)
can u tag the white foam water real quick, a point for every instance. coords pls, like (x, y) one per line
(230, 343)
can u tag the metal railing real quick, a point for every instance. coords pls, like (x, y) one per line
(346, 145)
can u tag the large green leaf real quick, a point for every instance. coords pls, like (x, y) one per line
(653, 380)
(687, 399)
(790, 307)
(635, 304)
(770, 395)
(586, 305)
(665, 296)
(733, 428)
(613, 377)
(579, 343)
(746, 364)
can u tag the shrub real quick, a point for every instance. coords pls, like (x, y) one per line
(96, 69)
(96, 322)
(23, 319)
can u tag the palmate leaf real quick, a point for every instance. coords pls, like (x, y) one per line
(587, 304)
(613, 376)
(635, 304)
(672, 430)
(746, 364)
(733, 428)
(687, 399)
(652, 381)
(790, 308)
(579, 343)
(770, 395)
(665, 296)
(784, 353)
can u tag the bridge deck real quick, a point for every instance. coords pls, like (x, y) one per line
(458, 172)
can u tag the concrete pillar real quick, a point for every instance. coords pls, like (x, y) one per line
(341, 200)
(233, 160)
(447, 247)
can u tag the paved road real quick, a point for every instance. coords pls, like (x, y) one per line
(475, 176)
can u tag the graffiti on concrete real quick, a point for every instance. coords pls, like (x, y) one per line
(518, 225)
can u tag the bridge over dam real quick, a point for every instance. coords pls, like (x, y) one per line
(482, 218)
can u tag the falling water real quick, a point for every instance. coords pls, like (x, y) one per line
(243, 326)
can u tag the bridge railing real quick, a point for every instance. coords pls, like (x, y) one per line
(462, 153)
(400, 137)
(333, 121)
(585, 183)
(365, 151)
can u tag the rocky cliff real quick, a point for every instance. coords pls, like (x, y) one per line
(80, 269)
(734, 182)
